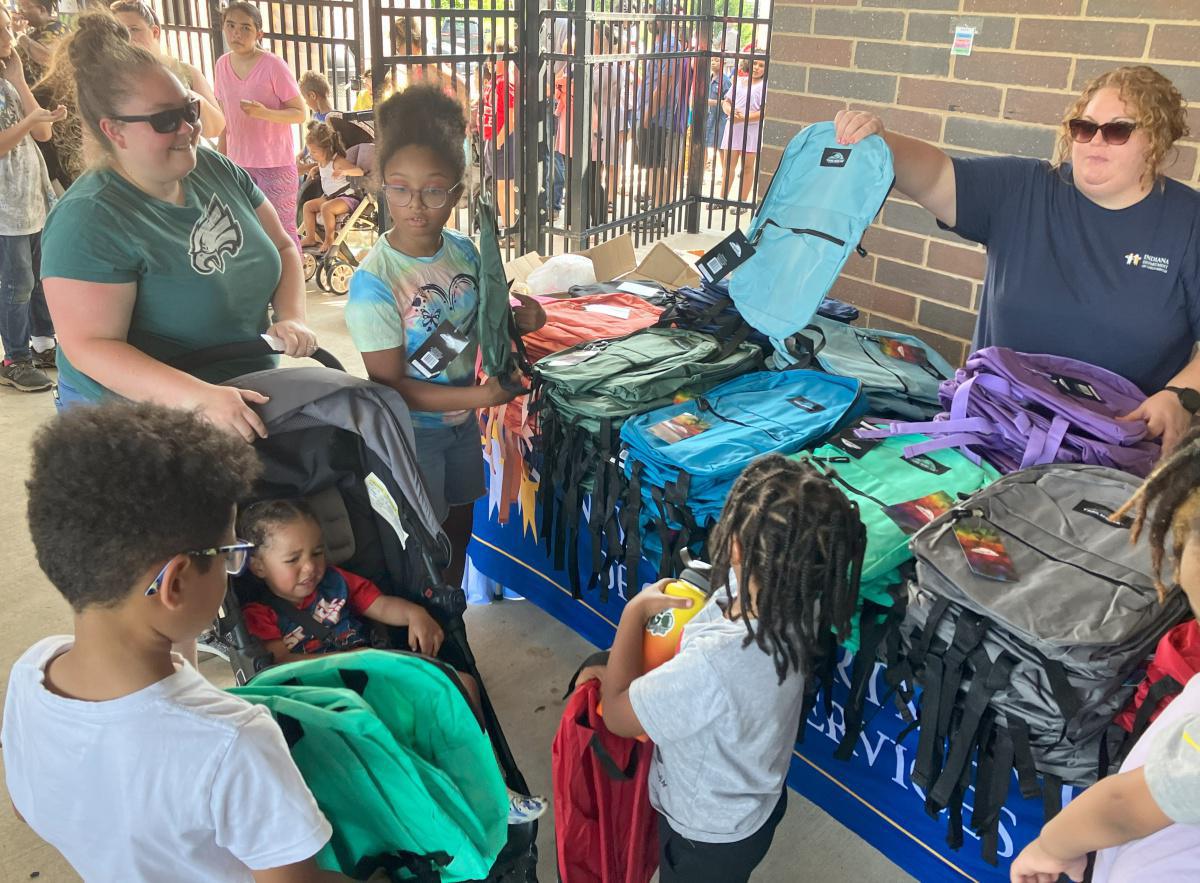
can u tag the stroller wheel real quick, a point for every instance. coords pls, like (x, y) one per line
(339, 277)
(309, 261)
(323, 275)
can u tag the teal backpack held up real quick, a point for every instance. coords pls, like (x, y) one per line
(821, 200)
(397, 761)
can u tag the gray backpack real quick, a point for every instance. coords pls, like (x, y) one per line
(1029, 670)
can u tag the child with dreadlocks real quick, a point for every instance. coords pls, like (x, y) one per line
(723, 713)
(1142, 821)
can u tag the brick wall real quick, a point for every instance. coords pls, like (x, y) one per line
(1030, 59)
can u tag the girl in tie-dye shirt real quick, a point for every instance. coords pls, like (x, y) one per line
(413, 309)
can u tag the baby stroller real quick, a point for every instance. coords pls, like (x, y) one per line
(345, 445)
(332, 270)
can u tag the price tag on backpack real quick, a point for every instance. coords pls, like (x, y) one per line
(439, 350)
(986, 555)
(728, 254)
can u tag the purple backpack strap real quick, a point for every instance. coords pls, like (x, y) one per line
(955, 440)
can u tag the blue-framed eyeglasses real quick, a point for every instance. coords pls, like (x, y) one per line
(236, 556)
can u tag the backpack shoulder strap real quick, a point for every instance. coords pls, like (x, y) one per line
(306, 619)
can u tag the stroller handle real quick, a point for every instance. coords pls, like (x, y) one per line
(227, 352)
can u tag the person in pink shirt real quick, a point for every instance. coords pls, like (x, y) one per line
(261, 101)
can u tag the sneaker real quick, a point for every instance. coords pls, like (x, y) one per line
(522, 809)
(209, 642)
(23, 376)
(47, 360)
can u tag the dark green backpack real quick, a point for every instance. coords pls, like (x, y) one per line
(396, 759)
(583, 396)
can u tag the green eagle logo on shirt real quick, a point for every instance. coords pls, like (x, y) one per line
(216, 235)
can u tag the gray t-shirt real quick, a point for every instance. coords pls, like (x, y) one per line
(25, 193)
(723, 728)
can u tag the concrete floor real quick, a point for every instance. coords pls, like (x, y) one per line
(525, 655)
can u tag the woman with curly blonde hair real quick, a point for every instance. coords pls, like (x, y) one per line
(1094, 256)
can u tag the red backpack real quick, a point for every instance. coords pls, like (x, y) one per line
(1176, 659)
(604, 827)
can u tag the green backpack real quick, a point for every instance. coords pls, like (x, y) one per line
(585, 394)
(895, 495)
(395, 758)
(499, 342)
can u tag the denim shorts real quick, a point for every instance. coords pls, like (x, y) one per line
(451, 462)
(67, 397)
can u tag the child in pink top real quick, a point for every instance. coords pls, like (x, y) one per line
(261, 101)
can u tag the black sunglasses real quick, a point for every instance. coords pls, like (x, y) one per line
(166, 122)
(1115, 133)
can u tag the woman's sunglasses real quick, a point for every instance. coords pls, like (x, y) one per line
(1115, 133)
(167, 122)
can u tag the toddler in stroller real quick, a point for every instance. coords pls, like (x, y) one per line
(307, 607)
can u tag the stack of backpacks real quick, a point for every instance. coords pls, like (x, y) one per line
(681, 460)
(583, 395)
(996, 590)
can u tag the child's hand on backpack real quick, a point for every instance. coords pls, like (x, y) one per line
(651, 600)
(1035, 865)
(424, 634)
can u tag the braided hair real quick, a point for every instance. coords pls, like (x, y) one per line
(801, 544)
(1173, 492)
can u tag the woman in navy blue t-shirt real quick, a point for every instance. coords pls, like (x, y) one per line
(1095, 255)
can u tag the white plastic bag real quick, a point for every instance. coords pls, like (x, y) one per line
(559, 273)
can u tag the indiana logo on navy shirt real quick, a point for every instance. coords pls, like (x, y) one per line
(217, 235)
(1148, 262)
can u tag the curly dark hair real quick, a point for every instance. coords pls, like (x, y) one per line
(117, 489)
(325, 137)
(255, 522)
(1173, 493)
(426, 116)
(802, 545)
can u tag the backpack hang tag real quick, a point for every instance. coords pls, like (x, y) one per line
(681, 426)
(728, 254)
(913, 515)
(901, 351)
(439, 350)
(982, 545)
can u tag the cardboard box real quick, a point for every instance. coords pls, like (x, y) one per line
(518, 269)
(615, 259)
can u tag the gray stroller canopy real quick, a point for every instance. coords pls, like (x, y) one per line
(312, 396)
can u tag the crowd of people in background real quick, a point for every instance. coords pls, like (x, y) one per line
(641, 114)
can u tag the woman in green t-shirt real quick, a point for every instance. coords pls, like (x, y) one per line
(166, 249)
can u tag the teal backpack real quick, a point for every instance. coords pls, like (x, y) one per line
(900, 373)
(821, 200)
(682, 460)
(896, 495)
(397, 761)
(584, 394)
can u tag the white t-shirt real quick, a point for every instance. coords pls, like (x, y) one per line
(723, 728)
(179, 781)
(1169, 753)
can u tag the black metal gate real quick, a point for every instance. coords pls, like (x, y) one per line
(591, 118)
